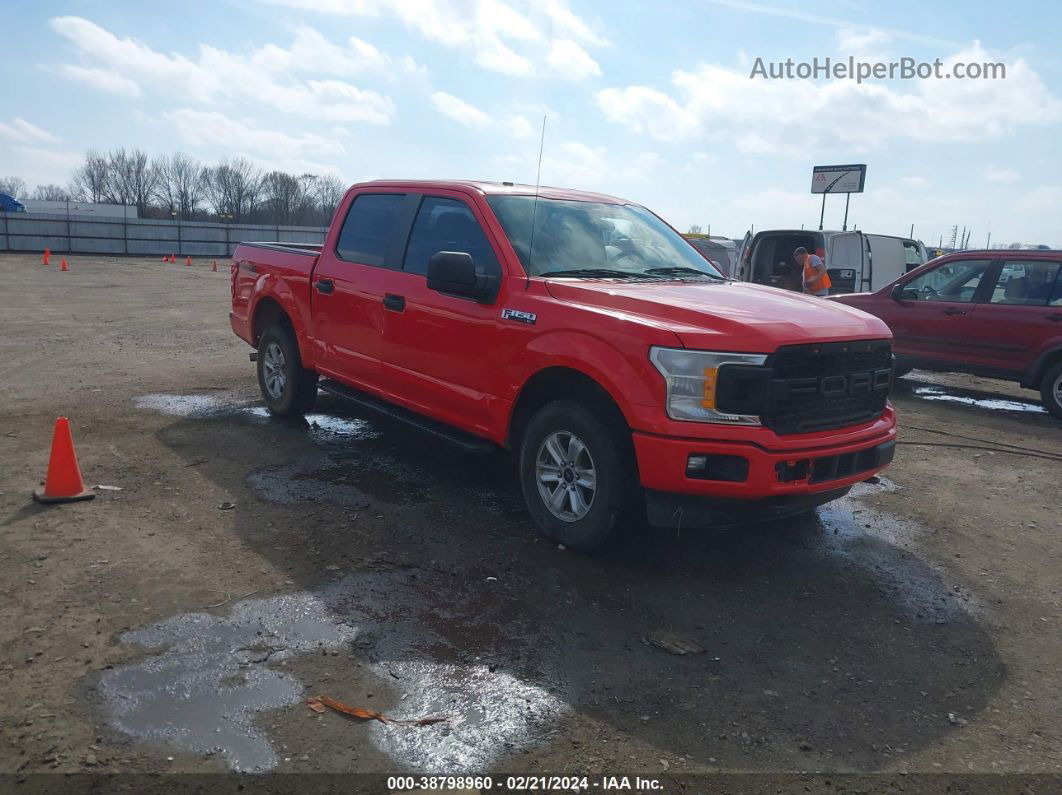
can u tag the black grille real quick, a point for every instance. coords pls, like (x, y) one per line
(820, 387)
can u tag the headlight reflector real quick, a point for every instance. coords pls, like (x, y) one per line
(692, 379)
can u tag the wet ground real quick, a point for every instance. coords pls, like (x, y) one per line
(179, 623)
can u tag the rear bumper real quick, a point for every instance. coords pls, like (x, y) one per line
(744, 479)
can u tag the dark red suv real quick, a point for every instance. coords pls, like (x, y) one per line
(995, 313)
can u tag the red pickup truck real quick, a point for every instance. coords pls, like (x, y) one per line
(585, 334)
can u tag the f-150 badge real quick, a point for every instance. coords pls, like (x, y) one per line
(522, 317)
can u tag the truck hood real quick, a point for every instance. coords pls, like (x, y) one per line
(725, 316)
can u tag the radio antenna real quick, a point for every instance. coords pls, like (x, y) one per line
(534, 207)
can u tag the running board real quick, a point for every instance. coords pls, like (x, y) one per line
(468, 442)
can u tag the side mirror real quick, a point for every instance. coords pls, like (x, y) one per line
(454, 273)
(900, 293)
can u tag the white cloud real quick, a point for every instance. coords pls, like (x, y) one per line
(862, 43)
(569, 24)
(211, 128)
(21, 130)
(644, 109)
(42, 166)
(916, 183)
(1002, 175)
(798, 117)
(100, 79)
(567, 59)
(578, 165)
(500, 37)
(265, 77)
(460, 111)
(468, 115)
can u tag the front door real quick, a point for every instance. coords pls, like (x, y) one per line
(440, 349)
(935, 312)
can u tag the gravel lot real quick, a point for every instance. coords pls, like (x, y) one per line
(179, 624)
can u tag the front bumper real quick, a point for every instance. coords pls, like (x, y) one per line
(765, 481)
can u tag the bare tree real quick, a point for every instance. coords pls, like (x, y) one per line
(330, 190)
(50, 193)
(180, 183)
(232, 188)
(12, 186)
(282, 196)
(695, 229)
(131, 179)
(90, 178)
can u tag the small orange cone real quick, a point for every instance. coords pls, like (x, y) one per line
(64, 482)
(188, 260)
(215, 268)
(172, 258)
(164, 258)
(46, 256)
(63, 264)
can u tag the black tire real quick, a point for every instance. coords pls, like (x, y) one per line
(616, 489)
(299, 390)
(1051, 390)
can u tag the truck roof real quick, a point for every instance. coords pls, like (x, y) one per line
(496, 188)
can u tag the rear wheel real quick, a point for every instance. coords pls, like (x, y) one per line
(287, 388)
(576, 474)
(1051, 390)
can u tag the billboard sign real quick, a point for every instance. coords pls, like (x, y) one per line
(838, 179)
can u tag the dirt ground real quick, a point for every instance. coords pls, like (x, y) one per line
(177, 625)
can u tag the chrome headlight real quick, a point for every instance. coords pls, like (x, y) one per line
(692, 378)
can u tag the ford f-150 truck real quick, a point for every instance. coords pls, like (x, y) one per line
(585, 334)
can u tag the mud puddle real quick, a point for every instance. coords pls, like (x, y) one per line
(214, 676)
(323, 426)
(978, 399)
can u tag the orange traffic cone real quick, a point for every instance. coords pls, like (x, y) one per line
(172, 258)
(165, 258)
(215, 268)
(188, 260)
(64, 482)
(63, 264)
(46, 256)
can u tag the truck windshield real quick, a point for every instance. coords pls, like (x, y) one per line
(587, 239)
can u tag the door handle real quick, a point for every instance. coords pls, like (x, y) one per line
(326, 286)
(952, 311)
(396, 303)
(1055, 318)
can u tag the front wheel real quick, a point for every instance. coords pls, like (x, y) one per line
(287, 388)
(576, 474)
(1051, 390)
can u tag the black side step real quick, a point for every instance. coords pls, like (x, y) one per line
(468, 442)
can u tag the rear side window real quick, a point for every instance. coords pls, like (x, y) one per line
(1025, 283)
(447, 225)
(369, 227)
(956, 281)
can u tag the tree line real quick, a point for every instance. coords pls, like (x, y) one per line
(180, 186)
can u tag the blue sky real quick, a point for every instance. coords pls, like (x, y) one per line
(651, 101)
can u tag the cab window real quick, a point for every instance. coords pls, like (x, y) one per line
(447, 225)
(955, 281)
(1025, 283)
(368, 228)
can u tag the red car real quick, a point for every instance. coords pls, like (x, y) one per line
(585, 334)
(995, 313)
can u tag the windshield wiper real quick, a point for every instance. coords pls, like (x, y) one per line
(678, 270)
(602, 273)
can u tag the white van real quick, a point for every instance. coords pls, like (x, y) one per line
(856, 261)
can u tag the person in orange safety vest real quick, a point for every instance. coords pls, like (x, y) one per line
(816, 280)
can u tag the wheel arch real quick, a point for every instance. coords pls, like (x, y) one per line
(1044, 362)
(558, 382)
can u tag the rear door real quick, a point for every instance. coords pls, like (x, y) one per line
(350, 284)
(1018, 317)
(845, 262)
(935, 315)
(440, 349)
(888, 261)
(742, 259)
